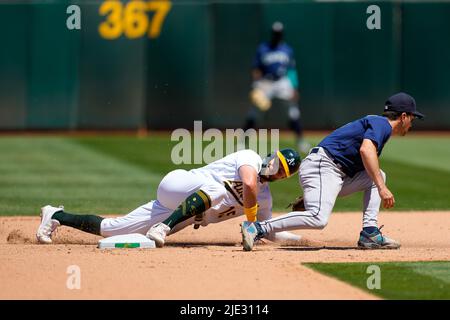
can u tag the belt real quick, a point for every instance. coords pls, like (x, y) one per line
(272, 77)
(316, 150)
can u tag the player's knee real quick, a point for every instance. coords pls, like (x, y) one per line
(294, 113)
(320, 222)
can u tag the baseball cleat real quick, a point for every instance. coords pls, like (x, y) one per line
(376, 240)
(249, 235)
(158, 233)
(48, 225)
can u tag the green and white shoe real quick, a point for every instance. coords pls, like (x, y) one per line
(376, 240)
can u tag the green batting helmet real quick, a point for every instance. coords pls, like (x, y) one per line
(290, 160)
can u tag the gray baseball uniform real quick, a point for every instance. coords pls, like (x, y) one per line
(323, 181)
(333, 169)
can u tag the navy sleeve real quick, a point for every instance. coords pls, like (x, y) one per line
(377, 131)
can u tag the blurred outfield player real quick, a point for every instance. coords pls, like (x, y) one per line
(275, 76)
(346, 162)
(232, 186)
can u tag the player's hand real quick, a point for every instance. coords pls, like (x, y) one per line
(387, 197)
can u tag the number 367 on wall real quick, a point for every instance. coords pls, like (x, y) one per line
(132, 19)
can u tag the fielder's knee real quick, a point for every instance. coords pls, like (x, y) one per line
(319, 214)
(320, 220)
(320, 223)
(294, 113)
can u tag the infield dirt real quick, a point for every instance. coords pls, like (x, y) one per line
(207, 263)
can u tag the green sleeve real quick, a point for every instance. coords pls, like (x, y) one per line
(292, 76)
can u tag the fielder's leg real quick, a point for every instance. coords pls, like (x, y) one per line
(250, 121)
(294, 120)
(370, 237)
(371, 200)
(321, 181)
(295, 125)
(285, 91)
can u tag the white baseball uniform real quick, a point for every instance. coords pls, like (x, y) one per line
(220, 180)
(281, 88)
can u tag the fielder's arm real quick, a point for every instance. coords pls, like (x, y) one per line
(249, 178)
(369, 157)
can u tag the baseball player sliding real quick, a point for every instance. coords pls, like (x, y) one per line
(232, 186)
(275, 76)
(343, 163)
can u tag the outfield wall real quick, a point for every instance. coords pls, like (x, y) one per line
(191, 60)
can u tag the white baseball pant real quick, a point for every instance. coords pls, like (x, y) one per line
(173, 189)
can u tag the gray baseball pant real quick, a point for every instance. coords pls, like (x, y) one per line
(323, 181)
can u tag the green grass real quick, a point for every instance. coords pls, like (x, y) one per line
(399, 280)
(114, 174)
(40, 170)
(422, 152)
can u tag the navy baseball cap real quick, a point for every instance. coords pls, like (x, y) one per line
(402, 102)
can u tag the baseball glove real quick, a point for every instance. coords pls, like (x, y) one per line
(298, 204)
(259, 99)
